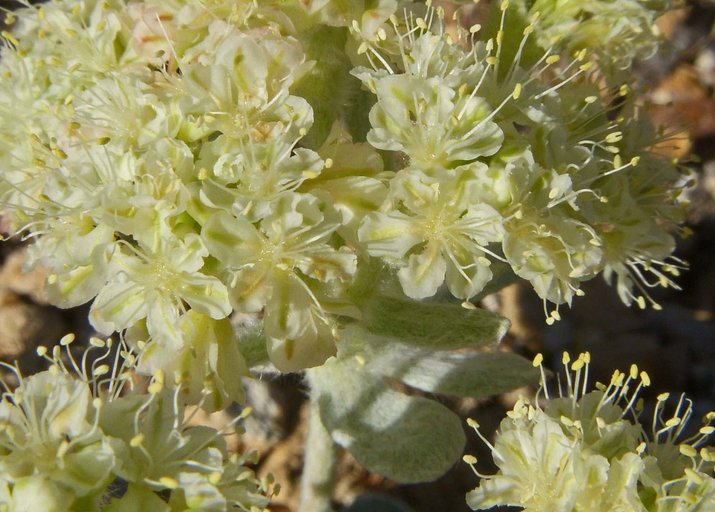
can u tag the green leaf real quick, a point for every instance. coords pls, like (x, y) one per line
(405, 438)
(439, 326)
(325, 85)
(252, 345)
(373, 277)
(360, 102)
(463, 374)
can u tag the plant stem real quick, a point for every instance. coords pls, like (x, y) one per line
(319, 466)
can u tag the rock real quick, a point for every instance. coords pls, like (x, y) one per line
(708, 178)
(285, 462)
(705, 65)
(275, 404)
(680, 101)
(219, 421)
(24, 326)
(28, 283)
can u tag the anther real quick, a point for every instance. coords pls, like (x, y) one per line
(634, 371)
(96, 342)
(101, 370)
(67, 339)
(687, 450)
(517, 92)
(552, 59)
(168, 482)
(645, 379)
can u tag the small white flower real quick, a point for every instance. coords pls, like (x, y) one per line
(434, 125)
(51, 451)
(582, 452)
(435, 233)
(154, 286)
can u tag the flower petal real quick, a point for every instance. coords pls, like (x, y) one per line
(424, 273)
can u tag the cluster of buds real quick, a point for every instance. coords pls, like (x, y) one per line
(593, 454)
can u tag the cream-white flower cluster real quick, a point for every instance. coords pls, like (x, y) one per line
(619, 30)
(72, 442)
(586, 451)
(175, 162)
(155, 161)
(506, 165)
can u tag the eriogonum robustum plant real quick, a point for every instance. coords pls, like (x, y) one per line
(352, 178)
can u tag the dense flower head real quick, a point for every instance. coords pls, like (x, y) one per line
(69, 433)
(180, 161)
(594, 453)
(618, 30)
(176, 128)
(536, 154)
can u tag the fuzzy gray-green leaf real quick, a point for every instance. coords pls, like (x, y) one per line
(252, 345)
(408, 439)
(327, 84)
(434, 325)
(453, 373)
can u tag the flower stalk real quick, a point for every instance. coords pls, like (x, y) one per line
(319, 465)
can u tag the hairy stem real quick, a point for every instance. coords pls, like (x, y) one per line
(319, 466)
